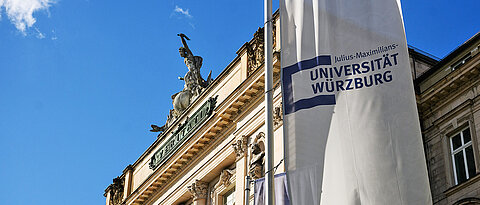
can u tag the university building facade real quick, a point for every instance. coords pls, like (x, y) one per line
(449, 105)
(214, 136)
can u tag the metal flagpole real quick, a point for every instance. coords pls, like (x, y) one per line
(268, 102)
(247, 190)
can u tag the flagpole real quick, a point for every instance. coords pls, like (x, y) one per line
(268, 102)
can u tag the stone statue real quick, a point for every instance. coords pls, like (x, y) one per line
(257, 156)
(257, 162)
(156, 128)
(160, 130)
(194, 86)
(194, 83)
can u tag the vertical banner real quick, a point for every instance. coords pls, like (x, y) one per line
(281, 194)
(352, 134)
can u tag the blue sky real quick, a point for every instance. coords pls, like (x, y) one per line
(82, 80)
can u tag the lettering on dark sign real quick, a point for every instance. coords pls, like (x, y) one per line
(183, 133)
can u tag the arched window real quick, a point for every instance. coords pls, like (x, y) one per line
(468, 201)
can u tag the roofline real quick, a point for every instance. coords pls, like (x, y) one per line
(422, 55)
(448, 58)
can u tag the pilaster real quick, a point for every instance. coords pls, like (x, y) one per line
(240, 147)
(128, 172)
(107, 196)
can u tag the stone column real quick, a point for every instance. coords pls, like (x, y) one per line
(199, 190)
(240, 147)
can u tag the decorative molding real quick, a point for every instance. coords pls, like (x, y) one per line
(455, 189)
(449, 86)
(199, 189)
(249, 93)
(274, 37)
(225, 180)
(240, 147)
(257, 156)
(255, 52)
(225, 177)
(116, 191)
(183, 133)
(466, 118)
(278, 116)
(213, 197)
(128, 168)
(468, 201)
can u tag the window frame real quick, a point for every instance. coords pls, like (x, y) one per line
(226, 194)
(462, 149)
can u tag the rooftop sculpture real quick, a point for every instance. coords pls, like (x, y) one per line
(194, 84)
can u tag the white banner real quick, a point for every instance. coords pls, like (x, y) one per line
(281, 195)
(352, 133)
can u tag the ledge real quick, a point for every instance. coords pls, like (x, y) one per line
(461, 186)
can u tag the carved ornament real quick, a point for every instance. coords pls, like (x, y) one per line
(116, 191)
(255, 52)
(199, 190)
(278, 116)
(240, 147)
(225, 177)
(257, 156)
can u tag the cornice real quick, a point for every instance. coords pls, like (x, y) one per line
(231, 108)
(224, 115)
(208, 91)
(449, 115)
(451, 56)
(449, 85)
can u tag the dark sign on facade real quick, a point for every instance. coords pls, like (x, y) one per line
(183, 133)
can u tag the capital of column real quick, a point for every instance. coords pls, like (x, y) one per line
(240, 146)
(199, 190)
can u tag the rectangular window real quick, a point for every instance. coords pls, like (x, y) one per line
(462, 156)
(229, 198)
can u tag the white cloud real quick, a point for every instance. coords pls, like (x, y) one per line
(54, 37)
(40, 35)
(181, 11)
(20, 12)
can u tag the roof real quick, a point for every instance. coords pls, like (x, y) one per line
(451, 56)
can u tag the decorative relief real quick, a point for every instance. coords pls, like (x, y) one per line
(278, 116)
(240, 146)
(224, 180)
(257, 156)
(116, 191)
(199, 190)
(255, 52)
(274, 37)
(225, 177)
(212, 196)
